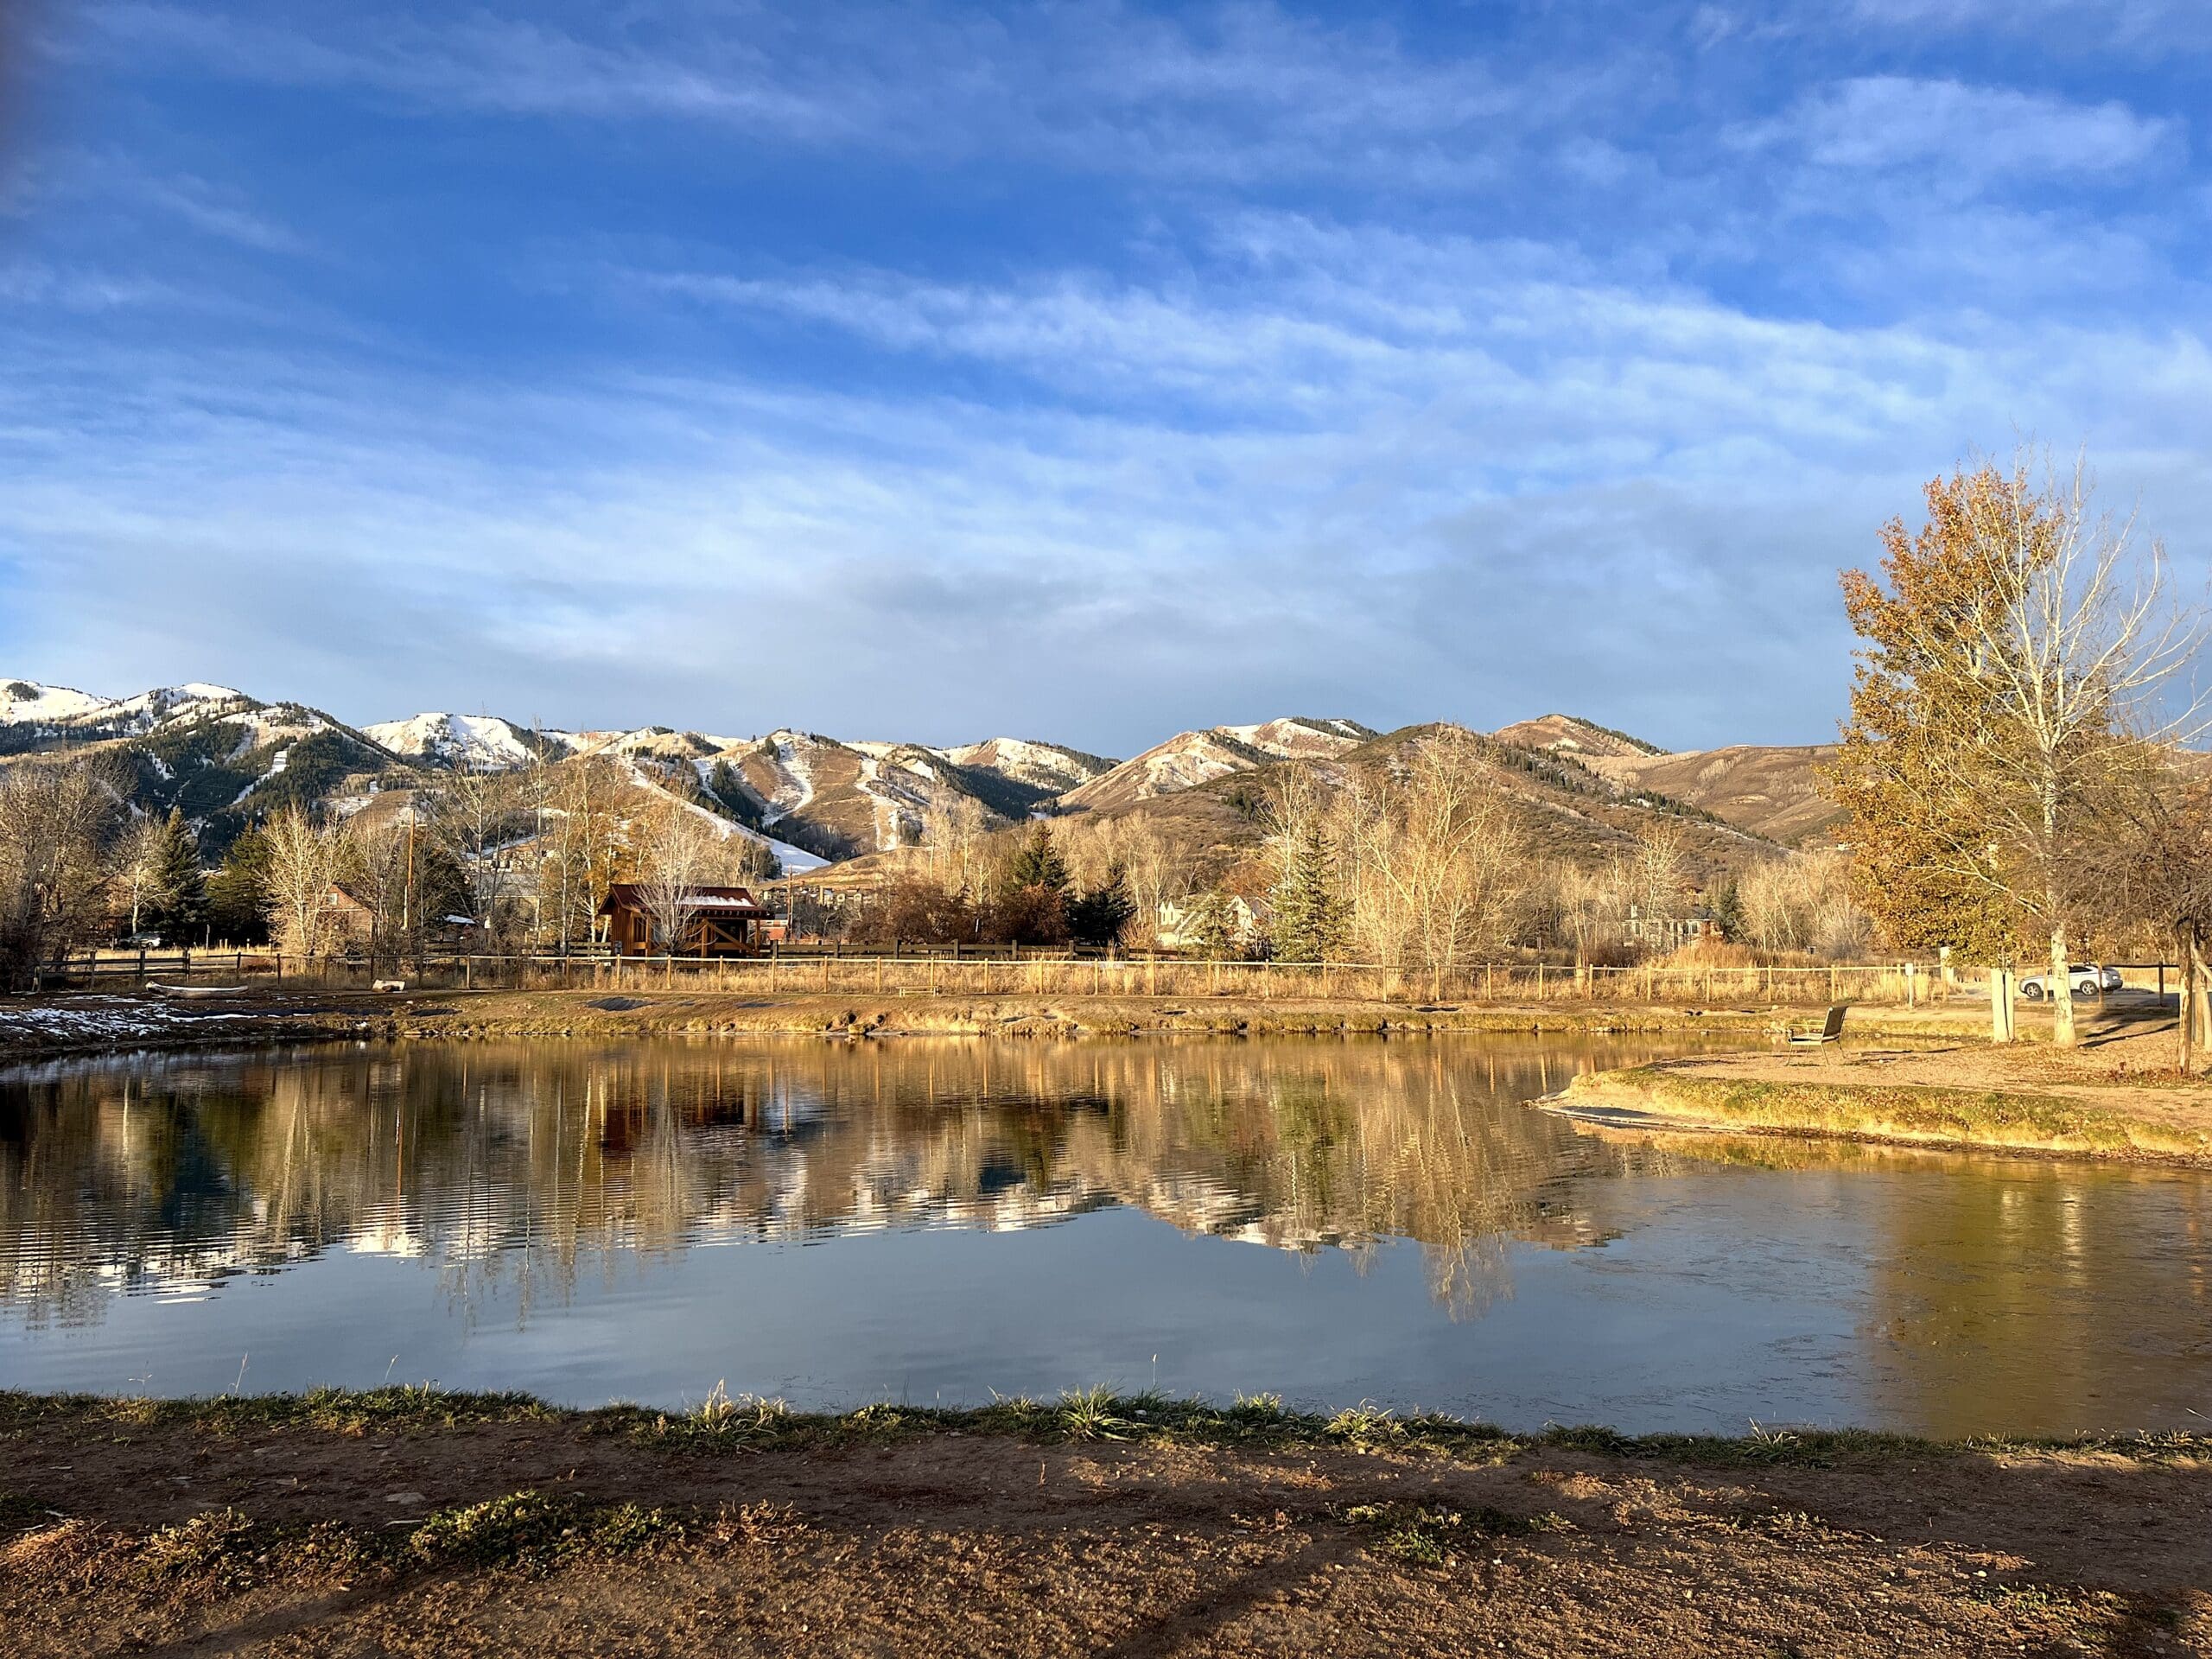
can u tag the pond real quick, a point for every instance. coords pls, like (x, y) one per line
(936, 1220)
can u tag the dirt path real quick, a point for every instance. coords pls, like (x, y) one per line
(171, 1538)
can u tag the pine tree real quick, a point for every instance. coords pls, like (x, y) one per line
(727, 784)
(237, 897)
(178, 899)
(1309, 922)
(1098, 915)
(1208, 927)
(1038, 863)
(1728, 909)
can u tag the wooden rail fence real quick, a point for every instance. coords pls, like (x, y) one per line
(1004, 970)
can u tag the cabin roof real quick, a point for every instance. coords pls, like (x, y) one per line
(630, 895)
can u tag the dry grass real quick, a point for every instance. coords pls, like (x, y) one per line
(1839, 1095)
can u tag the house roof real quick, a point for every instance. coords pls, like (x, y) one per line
(630, 895)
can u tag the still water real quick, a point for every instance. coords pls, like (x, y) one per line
(935, 1219)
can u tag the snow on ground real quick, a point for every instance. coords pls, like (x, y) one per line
(461, 739)
(1292, 739)
(797, 764)
(26, 702)
(59, 705)
(95, 1019)
(169, 704)
(1185, 766)
(1045, 765)
(796, 860)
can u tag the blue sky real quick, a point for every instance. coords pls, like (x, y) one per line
(1079, 371)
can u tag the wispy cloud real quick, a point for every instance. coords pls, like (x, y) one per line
(698, 361)
(1895, 121)
(1240, 92)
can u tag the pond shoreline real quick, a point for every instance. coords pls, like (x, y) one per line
(410, 1520)
(2027, 1102)
(61, 1025)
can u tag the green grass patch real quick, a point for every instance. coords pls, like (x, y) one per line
(333, 1410)
(726, 1424)
(1433, 1534)
(532, 1532)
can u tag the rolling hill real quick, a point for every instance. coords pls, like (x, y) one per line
(1771, 791)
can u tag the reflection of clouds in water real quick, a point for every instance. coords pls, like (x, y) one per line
(502, 1166)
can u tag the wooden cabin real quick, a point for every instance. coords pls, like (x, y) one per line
(724, 922)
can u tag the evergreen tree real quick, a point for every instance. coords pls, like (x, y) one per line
(727, 786)
(1038, 863)
(237, 897)
(178, 889)
(1309, 920)
(1728, 909)
(1209, 927)
(1098, 915)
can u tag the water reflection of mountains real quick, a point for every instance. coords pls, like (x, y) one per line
(503, 1160)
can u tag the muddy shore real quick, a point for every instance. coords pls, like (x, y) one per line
(416, 1524)
(104, 1022)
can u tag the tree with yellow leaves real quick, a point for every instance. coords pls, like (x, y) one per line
(2018, 662)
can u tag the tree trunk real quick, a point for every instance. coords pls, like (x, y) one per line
(2061, 988)
(2200, 988)
(2000, 1005)
(2185, 993)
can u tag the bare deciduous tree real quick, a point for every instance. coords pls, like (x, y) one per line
(677, 854)
(580, 845)
(55, 821)
(481, 819)
(377, 864)
(306, 859)
(1803, 902)
(1453, 856)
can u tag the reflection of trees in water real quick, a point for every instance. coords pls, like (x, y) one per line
(512, 1163)
(2078, 1296)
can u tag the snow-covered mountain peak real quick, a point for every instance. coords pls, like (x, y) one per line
(455, 740)
(29, 700)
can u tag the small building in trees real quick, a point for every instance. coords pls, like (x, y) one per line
(1660, 933)
(718, 922)
(346, 922)
(1184, 925)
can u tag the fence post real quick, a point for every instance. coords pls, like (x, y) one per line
(1833, 995)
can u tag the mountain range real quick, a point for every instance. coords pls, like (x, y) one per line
(225, 758)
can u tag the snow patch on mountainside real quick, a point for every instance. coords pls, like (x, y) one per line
(27, 702)
(1299, 738)
(796, 860)
(793, 754)
(1042, 766)
(454, 740)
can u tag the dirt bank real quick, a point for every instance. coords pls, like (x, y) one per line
(105, 1022)
(404, 1523)
(2116, 1096)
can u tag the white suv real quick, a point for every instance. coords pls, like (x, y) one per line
(2088, 982)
